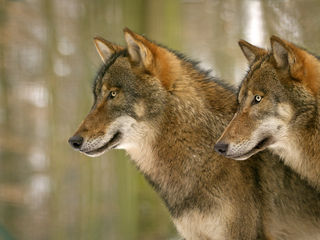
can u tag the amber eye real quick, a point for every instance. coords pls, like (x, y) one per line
(257, 99)
(112, 94)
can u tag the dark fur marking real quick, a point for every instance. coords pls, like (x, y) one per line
(104, 68)
(252, 68)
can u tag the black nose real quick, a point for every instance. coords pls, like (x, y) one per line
(76, 142)
(221, 148)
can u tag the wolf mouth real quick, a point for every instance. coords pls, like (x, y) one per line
(112, 143)
(265, 142)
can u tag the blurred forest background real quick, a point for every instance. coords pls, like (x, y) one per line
(47, 64)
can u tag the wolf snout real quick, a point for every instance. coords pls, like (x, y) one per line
(76, 142)
(221, 148)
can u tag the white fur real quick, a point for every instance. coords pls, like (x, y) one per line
(138, 141)
(286, 148)
(195, 225)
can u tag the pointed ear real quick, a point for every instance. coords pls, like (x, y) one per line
(105, 48)
(282, 51)
(250, 51)
(302, 66)
(138, 48)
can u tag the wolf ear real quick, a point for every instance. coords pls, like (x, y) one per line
(302, 66)
(105, 48)
(250, 51)
(138, 49)
(156, 60)
(282, 52)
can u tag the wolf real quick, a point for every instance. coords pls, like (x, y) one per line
(279, 109)
(167, 114)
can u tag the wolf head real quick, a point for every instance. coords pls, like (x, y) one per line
(130, 92)
(277, 96)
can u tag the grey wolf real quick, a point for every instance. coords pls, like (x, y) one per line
(167, 114)
(279, 109)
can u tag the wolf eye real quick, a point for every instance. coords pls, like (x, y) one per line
(257, 99)
(112, 94)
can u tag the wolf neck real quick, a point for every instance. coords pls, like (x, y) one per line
(301, 149)
(302, 154)
(181, 148)
(309, 161)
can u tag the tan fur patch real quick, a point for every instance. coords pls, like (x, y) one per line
(285, 111)
(139, 109)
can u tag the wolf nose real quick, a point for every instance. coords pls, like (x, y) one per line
(221, 148)
(76, 141)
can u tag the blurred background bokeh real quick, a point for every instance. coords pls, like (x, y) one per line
(47, 64)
